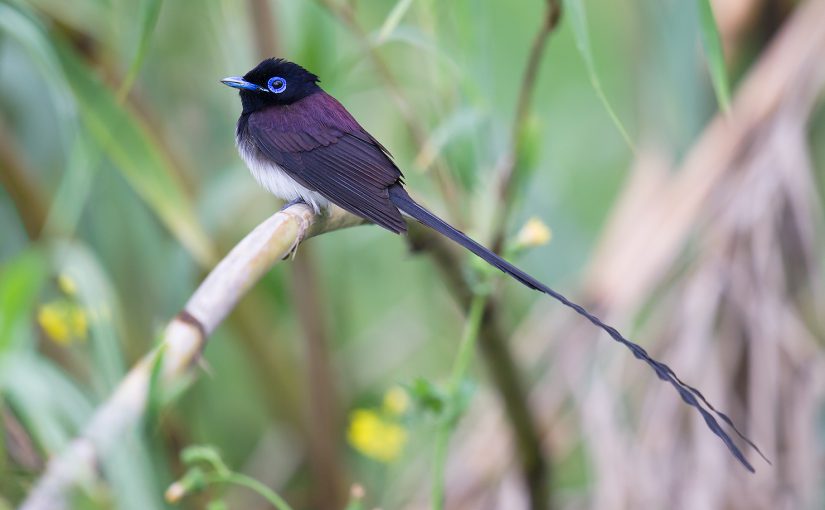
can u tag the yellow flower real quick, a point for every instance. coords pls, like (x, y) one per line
(374, 436)
(533, 233)
(396, 401)
(63, 321)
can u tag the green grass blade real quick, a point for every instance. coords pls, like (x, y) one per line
(714, 54)
(127, 142)
(149, 18)
(94, 292)
(118, 133)
(155, 395)
(578, 21)
(20, 24)
(21, 279)
(50, 405)
(393, 19)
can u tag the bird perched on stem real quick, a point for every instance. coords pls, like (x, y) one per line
(301, 144)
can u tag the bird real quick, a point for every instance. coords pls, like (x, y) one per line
(302, 145)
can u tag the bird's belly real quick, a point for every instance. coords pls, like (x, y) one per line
(275, 180)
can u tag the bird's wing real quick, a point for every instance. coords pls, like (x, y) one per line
(318, 143)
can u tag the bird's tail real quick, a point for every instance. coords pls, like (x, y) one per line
(692, 396)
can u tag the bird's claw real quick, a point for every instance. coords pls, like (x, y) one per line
(294, 249)
(289, 204)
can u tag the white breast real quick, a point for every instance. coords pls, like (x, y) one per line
(275, 180)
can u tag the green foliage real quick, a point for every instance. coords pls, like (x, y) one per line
(115, 110)
(457, 396)
(155, 397)
(215, 472)
(20, 281)
(393, 19)
(578, 21)
(428, 398)
(714, 54)
(125, 139)
(150, 12)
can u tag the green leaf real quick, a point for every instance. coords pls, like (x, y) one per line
(155, 395)
(714, 54)
(149, 18)
(427, 396)
(127, 142)
(578, 21)
(69, 200)
(20, 281)
(529, 145)
(22, 26)
(50, 405)
(93, 291)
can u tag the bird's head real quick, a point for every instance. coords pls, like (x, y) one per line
(273, 82)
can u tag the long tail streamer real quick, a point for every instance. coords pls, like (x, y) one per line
(692, 396)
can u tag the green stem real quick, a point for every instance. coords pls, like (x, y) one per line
(441, 440)
(462, 364)
(150, 14)
(468, 342)
(252, 484)
(714, 54)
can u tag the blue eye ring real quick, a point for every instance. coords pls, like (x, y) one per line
(276, 84)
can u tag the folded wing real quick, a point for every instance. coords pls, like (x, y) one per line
(318, 143)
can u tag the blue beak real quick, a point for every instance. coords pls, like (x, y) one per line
(236, 82)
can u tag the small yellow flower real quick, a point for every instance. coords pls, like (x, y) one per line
(63, 321)
(376, 437)
(67, 284)
(396, 401)
(533, 233)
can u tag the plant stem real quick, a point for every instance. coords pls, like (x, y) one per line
(500, 362)
(251, 484)
(510, 169)
(185, 338)
(462, 364)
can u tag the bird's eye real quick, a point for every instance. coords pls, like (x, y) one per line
(276, 84)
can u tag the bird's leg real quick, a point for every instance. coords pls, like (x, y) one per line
(294, 249)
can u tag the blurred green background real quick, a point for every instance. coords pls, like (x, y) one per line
(121, 188)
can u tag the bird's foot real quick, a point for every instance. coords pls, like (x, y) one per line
(294, 249)
(289, 204)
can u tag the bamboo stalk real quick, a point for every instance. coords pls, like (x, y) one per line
(183, 342)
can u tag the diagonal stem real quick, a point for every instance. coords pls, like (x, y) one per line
(183, 342)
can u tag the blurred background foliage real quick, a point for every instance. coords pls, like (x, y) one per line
(120, 187)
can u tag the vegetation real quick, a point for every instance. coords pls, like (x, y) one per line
(676, 151)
